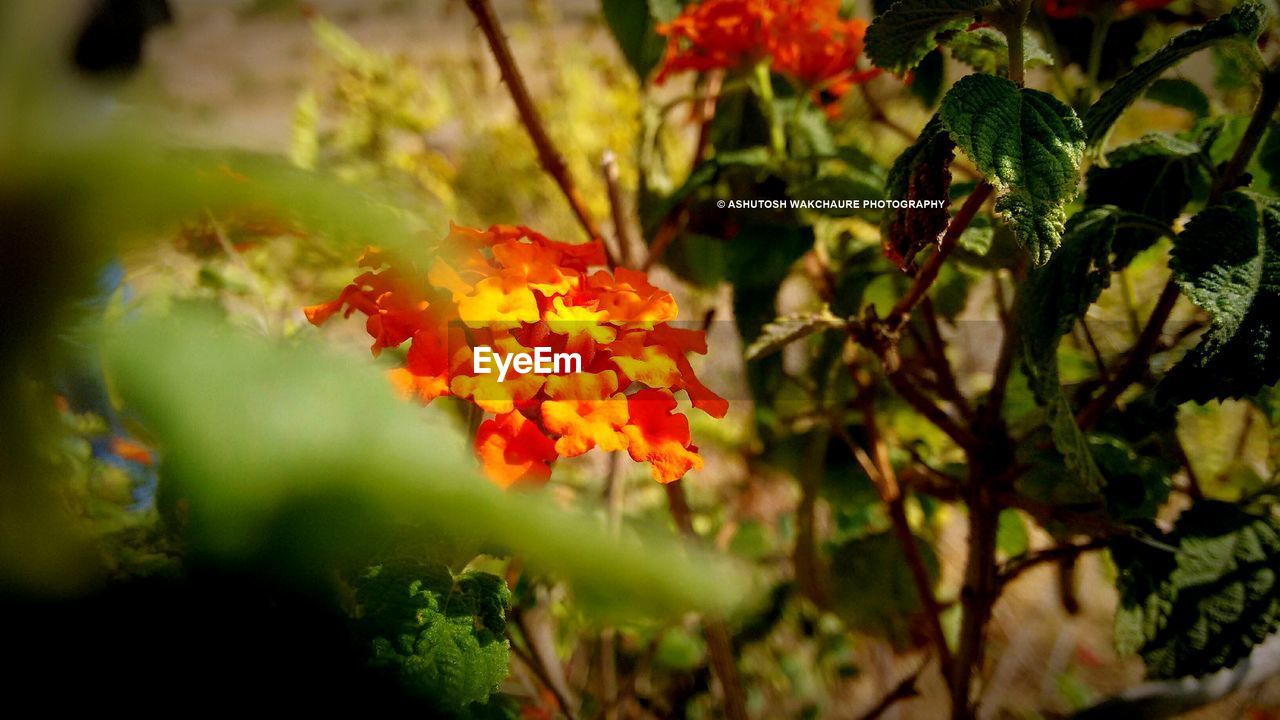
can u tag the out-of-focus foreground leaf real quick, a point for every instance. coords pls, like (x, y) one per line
(296, 453)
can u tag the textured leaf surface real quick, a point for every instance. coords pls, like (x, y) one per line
(986, 49)
(1227, 261)
(1242, 24)
(1052, 299)
(921, 172)
(443, 634)
(1152, 177)
(900, 37)
(1203, 606)
(786, 330)
(1028, 144)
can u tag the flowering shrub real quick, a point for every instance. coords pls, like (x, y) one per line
(515, 290)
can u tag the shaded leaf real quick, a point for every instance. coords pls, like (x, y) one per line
(1152, 177)
(1051, 300)
(1180, 93)
(1241, 25)
(909, 30)
(635, 30)
(921, 172)
(873, 589)
(1204, 604)
(986, 50)
(1227, 261)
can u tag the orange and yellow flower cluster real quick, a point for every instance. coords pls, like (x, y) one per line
(805, 40)
(514, 290)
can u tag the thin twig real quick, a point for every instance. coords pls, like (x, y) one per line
(904, 690)
(620, 256)
(1022, 563)
(548, 156)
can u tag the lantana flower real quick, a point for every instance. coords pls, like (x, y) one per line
(514, 290)
(807, 41)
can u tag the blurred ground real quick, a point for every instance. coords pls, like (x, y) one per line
(229, 71)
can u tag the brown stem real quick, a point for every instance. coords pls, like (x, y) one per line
(947, 383)
(548, 156)
(621, 255)
(1022, 563)
(929, 273)
(1093, 348)
(808, 567)
(904, 690)
(994, 402)
(979, 591)
(719, 640)
(953, 428)
(880, 470)
(1135, 364)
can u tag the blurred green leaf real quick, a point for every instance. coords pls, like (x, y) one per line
(294, 454)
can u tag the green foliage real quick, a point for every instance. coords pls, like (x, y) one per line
(909, 30)
(1153, 177)
(1051, 300)
(1028, 144)
(1227, 261)
(1242, 25)
(442, 634)
(786, 330)
(874, 591)
(986, 50)
(1180, 93)
(340, 467)
(633, 25)
(1204, 595)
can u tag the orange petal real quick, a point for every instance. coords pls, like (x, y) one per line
(512, 450)
(659, 437)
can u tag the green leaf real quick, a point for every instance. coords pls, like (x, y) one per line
(1152, 177)
(786, 330)
(873, 589)
(1011, 533)
(330, 465)
(1242, 25)
(909, 30)
(921, 172)
(986, 50)
(635, 30)
(1051, 300)
(1180, 93)
(1028, 144)
(443, 635)
(1227, 261)
(1203, 606)
(930, 78)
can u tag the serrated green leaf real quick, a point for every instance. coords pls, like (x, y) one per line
(1152, 177)
(921, 172)
(786, 330)
(1051, 300)
(1203, 606)
(986, 50)
(1241, 25)
(903, 35)
(1227, 261)
(1028, 144)
(1180, 93)
(443, 635)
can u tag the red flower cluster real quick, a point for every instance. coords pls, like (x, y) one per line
(806, 40)
(1065, 9)
(514, 290)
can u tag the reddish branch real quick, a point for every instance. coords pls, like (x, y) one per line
(1018, 565)
(548, 156)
